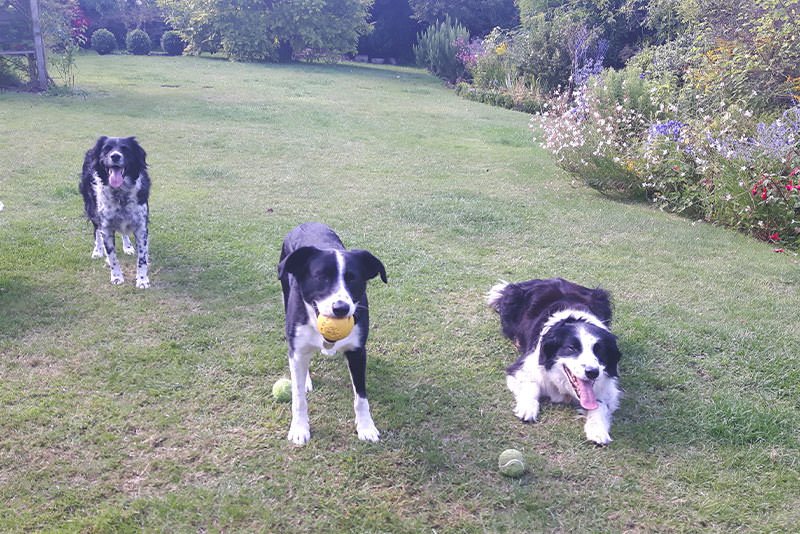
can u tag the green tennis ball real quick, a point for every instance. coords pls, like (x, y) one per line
(511, 463)
(282, 390)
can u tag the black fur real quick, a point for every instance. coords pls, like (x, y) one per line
(117, 208)
(524, 308)
(320, 276)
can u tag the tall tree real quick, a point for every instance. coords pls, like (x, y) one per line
(269, 29)
(478, 16)
(394, 31)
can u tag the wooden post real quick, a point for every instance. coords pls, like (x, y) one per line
(38, 46)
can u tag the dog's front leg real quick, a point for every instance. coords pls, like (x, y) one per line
(299, 431)
(526, 393)
(142, 281)
(111, 256)
(98, 251)
(598, 421)
(357, 362)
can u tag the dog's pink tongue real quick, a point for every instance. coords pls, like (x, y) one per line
(115, 177)
(588, 400)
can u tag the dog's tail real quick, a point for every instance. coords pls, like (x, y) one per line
(495, 294)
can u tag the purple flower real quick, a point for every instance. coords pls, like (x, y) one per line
(671, 129)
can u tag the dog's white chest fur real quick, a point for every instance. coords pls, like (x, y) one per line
(120, 206)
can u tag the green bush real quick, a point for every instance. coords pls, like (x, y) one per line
(172, 43)
(103, 41)
(138, 43)
(436, 50)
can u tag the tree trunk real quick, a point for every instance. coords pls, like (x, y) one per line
(38, 46)
(285, 52)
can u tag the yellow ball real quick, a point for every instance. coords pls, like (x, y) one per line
(334, 329)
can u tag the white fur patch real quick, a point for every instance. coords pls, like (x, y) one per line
(339, 292)
(532, 381)
(495, 294)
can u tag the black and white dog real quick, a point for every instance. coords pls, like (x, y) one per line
(319, 276)
(562, 331)
(115, 188)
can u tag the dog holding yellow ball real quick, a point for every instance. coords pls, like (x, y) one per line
(324, 295)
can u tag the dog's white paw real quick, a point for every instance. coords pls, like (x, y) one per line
(597, 432)
(97, 253)
(527, 411)
(299, 434)
(127, 247)
(142, 283)
(368, 433)
(117, 280)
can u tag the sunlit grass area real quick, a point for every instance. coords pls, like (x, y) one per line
(124, 410)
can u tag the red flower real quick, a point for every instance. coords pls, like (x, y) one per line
(675, 168)
(778, 250)
(775, 237)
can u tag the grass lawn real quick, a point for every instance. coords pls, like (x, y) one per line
(124, 410)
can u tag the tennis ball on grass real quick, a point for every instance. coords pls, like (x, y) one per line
(511, 463)
(282, 390)
(334, 329)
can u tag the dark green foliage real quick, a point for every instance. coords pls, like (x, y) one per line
(138, 43)
(478, 16)
(257, 31)
(103, 41)
(393, 31)
(436, 52)
(172, 43)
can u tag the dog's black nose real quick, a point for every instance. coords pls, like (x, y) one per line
(115, 157)
(340, 308)
(592, 372)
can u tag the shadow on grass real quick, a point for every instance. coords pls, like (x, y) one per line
(25, 306)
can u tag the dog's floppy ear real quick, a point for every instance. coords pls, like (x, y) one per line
(600, 305)
(610, 355)
(141, 154)
(292, 263)
(551, 342)
(92, 159)
(372, 265)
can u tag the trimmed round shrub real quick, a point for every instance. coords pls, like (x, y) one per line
(172, 43)
(103, 41)
(138, 43)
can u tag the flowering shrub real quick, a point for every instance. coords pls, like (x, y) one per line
(719, 164)
(468, 52)
(64, 30)
(490, 65)
(594, 131)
